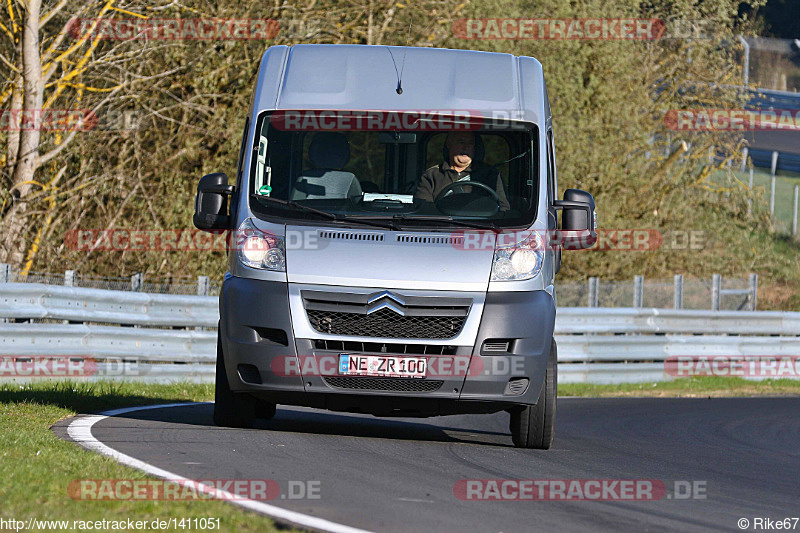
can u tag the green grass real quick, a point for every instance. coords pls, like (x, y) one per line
(36, 466)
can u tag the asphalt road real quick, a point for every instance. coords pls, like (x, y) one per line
(399, 474)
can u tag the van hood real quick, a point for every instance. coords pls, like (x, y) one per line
(383, 259)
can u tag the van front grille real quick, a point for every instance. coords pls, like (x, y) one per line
(383, 347)
(384, 384)
(350, 236)
(385, 314)
(431, 239)
(387, 324)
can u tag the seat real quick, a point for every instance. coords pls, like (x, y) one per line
(328, 153)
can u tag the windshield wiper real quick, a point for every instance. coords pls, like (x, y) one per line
(320, 212)
(422, 219)
(449, 220)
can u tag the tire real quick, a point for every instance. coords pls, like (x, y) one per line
(231, 410)
(533, 426)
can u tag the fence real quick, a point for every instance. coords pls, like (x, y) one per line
(201, 286)
(782, 192)
(157, 337)
(716, 293)
(772, 63)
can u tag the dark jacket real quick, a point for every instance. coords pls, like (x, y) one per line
(435, 179)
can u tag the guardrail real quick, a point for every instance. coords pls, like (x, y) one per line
(596, 345)
(39, 301)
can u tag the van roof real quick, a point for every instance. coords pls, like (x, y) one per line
(362, 77)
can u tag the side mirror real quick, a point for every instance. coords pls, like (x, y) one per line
(211, 202)
(578, 218)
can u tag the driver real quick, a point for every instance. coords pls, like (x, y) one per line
(460, 165)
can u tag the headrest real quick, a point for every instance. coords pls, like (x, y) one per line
(480, 150)
(329, 150)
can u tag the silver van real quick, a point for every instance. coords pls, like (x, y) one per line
(394, 237)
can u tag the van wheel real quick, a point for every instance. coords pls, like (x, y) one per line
(533, 426)
(230, 409)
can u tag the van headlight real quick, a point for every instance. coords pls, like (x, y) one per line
(259, 249)
(519, 261)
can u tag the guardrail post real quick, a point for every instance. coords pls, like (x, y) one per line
(137, 281)
(593, 292)
(677, 295)
(794, 216)
(203, 284)
(69, 278)
(638, 291)
(716, 284)
(772, 185)
(5, 273)
(753, 291)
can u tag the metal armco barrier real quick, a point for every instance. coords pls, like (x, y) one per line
(135, 344)
(596, 345)
(39, 301)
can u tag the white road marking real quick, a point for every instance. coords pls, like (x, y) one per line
(80, 430)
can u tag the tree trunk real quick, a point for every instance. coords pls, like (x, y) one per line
(16, 218)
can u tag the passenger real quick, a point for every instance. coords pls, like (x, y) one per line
(463, 154)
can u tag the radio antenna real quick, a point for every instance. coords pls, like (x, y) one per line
(403, 64)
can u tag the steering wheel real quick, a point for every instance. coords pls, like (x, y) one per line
(462, 184)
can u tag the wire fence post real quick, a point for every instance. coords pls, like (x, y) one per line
(593, 290)
(69, 278)
(750, 196)
(137, 281)
(203, 284)
(794, 213)
(638, 291)
(745, 152)
(677, 294)
(774, 168)
(5, 273)
(716, 284)
(753, 291)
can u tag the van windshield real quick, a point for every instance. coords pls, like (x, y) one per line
(412, 169)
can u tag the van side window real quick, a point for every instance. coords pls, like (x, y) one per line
(240, 168)
(551, 168)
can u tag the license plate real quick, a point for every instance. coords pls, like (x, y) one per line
(383, 366)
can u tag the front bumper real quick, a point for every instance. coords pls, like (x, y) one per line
(263, 357)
